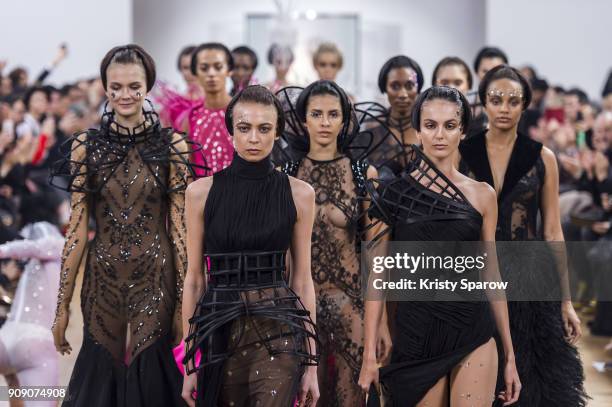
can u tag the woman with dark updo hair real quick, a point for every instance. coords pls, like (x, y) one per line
(130, 176)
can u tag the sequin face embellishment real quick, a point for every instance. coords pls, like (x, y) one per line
(413, 77)
(505, 92)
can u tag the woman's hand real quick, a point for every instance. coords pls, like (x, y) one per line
(368, 374)
(571, 322)
(601, 228)
(190, 383)
(384, 344)
(513, 384)
(59, 332)
(309, 386)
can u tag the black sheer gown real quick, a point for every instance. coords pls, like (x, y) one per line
(550, 368)
(132, 183)
(382, 136)
(339, 186)
(429, 338)
(251, 327)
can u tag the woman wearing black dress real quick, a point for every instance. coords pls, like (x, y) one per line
(253, 324)
(401, 79)
(130, 176)
(444, 352)
(526, 180)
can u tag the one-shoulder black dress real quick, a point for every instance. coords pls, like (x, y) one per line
(430, 337)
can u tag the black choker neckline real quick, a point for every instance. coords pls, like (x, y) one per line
(251, 169)
(123, 134)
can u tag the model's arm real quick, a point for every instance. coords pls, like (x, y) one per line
(301, 275)
(178, 179)
(48, 248)
(195, 279)
(497, 300)
(75, 245)
(375, 318)
(383, 336)
(551, 220)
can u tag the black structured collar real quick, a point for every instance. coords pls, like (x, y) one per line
(251, 170)
(524, 155)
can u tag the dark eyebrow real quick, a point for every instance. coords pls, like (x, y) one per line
(266, 124)
(317, 110)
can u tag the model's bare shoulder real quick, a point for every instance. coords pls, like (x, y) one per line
(548, 157)
(199, 189)
(303, 194)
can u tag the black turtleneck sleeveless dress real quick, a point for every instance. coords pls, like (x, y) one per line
(250, 326)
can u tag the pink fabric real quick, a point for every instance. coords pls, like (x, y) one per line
(179, 351)
(207, 127)
(252, 81)
(174, 108)
(179, 354)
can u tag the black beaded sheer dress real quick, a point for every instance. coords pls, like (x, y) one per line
(251, 328)
(430, 338)
(549, 367)
(131, 181)
(339, 186)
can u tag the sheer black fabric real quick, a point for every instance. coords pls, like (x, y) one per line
(339, 186)
(382, 137)
(251, 327)
(132, 183)
(430, 338)
(550, 369)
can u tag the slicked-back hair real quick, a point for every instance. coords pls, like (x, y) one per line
(129, 54)
(255, 94)
(399, 61)
(505, 72)
(442, 93)
(211, 46)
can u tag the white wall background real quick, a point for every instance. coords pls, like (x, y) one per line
(568, 41)
(426, 31)
(31, 31)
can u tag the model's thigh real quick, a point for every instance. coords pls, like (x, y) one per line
(473, 380)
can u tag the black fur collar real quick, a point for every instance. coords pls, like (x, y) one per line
(475, 159)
